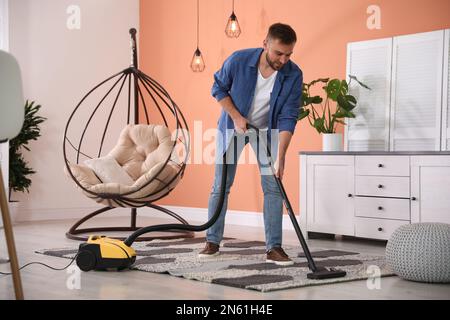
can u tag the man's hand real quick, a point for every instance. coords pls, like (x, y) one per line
(279, 168)
(240, 124)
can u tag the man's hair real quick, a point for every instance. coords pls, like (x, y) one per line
(282, 32)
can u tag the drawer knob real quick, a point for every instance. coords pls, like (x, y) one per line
(350, 195)
(380, 208)
(380, 165)
(380, 186)
(380, 229)
(413, 198)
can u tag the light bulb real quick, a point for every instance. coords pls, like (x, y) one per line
(233, 30)
(197, 63)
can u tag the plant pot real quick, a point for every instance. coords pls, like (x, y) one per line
(331, 141)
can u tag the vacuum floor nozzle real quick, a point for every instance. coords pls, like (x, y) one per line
(324, 273)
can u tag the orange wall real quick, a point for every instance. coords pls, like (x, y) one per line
(324, 27)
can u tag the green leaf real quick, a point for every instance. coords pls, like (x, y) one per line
(312, 100)
(303, 114)
(342, 102)
(342, 113)
(344, 87)
(336, 87)
(351, 101)
(306, 101)
(350, 114)
(346, 102)
(317, 99)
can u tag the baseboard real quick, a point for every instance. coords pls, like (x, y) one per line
(190, 214)
(24, 215)
(235, 217)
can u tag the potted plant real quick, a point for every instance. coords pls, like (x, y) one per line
(19, 169)
(324, 116)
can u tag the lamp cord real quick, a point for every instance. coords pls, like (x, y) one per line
(198, 22)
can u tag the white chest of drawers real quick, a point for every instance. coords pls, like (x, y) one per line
(382, 195)
(369, 195)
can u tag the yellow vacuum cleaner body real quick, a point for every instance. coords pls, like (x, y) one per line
(103, 253)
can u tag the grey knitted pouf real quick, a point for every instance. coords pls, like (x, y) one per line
(420, 252)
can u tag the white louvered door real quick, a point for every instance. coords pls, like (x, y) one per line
(370, 62)
(416, 92)
(445, 141)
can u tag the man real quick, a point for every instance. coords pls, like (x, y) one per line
(261, 87)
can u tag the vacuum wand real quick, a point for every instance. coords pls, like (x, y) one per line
(317, 272)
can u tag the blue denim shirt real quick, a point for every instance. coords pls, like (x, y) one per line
(237, 79)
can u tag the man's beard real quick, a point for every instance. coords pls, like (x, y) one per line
(272, 64)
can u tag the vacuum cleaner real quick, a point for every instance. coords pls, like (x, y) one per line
(103, 253)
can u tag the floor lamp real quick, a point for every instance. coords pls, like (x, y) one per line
(11, 121)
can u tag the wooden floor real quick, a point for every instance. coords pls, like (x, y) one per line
(42, 283)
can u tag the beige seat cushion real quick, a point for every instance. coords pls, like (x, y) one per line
(107, 169)
(142, 151)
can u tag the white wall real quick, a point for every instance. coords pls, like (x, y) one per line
(4, 25)
(58, 67)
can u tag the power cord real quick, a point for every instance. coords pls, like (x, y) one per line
(41, 263)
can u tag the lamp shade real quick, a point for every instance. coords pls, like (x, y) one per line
(197, 63)
(233, 30)
(11, 97)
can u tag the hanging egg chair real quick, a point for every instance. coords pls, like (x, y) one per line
(126, 144)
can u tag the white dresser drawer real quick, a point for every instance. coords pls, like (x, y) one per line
(384, 208)
(376, 228)
(397, 187)
(382, 165)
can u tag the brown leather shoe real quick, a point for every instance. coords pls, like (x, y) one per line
(210, 250)
(279, 257)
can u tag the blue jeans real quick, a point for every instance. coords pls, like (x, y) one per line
(273, 202)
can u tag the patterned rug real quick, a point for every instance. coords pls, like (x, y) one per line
(242, 264)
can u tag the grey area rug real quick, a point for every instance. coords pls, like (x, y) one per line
(242, 264)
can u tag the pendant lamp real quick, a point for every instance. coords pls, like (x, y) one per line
(197, 63)
(233, 30)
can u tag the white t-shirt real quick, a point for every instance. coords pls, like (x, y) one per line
(259, 111)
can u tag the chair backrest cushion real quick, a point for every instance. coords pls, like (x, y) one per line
(141, 147)
(11, 97)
